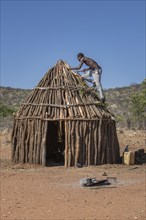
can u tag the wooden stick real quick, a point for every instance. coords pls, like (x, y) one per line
(66, 144)
(43, 145)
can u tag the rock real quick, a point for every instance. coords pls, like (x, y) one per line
(5, 131)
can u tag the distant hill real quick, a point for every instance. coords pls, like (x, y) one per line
(118, 100)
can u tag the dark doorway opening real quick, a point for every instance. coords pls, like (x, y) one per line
(55, 143)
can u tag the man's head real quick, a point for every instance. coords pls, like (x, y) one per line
(80, 56)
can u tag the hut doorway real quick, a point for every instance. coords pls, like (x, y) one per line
(55, 143)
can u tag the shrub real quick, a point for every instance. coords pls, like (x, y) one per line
(6, 111)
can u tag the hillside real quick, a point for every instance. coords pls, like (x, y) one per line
(118, 101)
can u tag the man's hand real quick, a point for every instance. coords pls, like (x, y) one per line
(82, 70)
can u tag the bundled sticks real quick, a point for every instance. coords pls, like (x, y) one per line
(90, 144)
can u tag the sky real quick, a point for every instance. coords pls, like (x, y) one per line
(35, 34)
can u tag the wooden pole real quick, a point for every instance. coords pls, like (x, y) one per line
(43, 145)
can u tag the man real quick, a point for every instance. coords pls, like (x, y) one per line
(94, 71)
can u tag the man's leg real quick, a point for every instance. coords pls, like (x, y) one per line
(97, 80)
(86, 76)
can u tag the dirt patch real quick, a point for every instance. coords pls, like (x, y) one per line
(35, 192)
(134, 139)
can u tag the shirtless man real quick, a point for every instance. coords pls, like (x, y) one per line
(94, 71)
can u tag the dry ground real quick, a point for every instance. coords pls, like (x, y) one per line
(36, 192)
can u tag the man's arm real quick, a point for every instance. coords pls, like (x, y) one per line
(78, 67)
(84, 70)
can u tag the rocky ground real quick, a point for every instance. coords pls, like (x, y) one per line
(35, 192)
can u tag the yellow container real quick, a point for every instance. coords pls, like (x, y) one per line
(129, 158)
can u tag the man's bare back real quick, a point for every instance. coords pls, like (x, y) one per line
(91, 63)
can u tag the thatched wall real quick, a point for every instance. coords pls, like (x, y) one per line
(91, 143)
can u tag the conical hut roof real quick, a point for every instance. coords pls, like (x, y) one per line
(63, 114)
(62, 94)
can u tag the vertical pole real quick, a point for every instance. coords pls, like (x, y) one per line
(44, 159)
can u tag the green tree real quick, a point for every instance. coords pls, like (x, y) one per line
(138, 106)
(5, 110)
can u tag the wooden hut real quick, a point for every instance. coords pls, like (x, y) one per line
(63, 117)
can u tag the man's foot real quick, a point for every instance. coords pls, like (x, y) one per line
(102, 100)
(94, 84)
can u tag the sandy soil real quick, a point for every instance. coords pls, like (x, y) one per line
(36, 192)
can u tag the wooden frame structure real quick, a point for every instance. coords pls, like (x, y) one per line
(62, 110)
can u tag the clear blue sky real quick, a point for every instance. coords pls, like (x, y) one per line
(36, 34)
